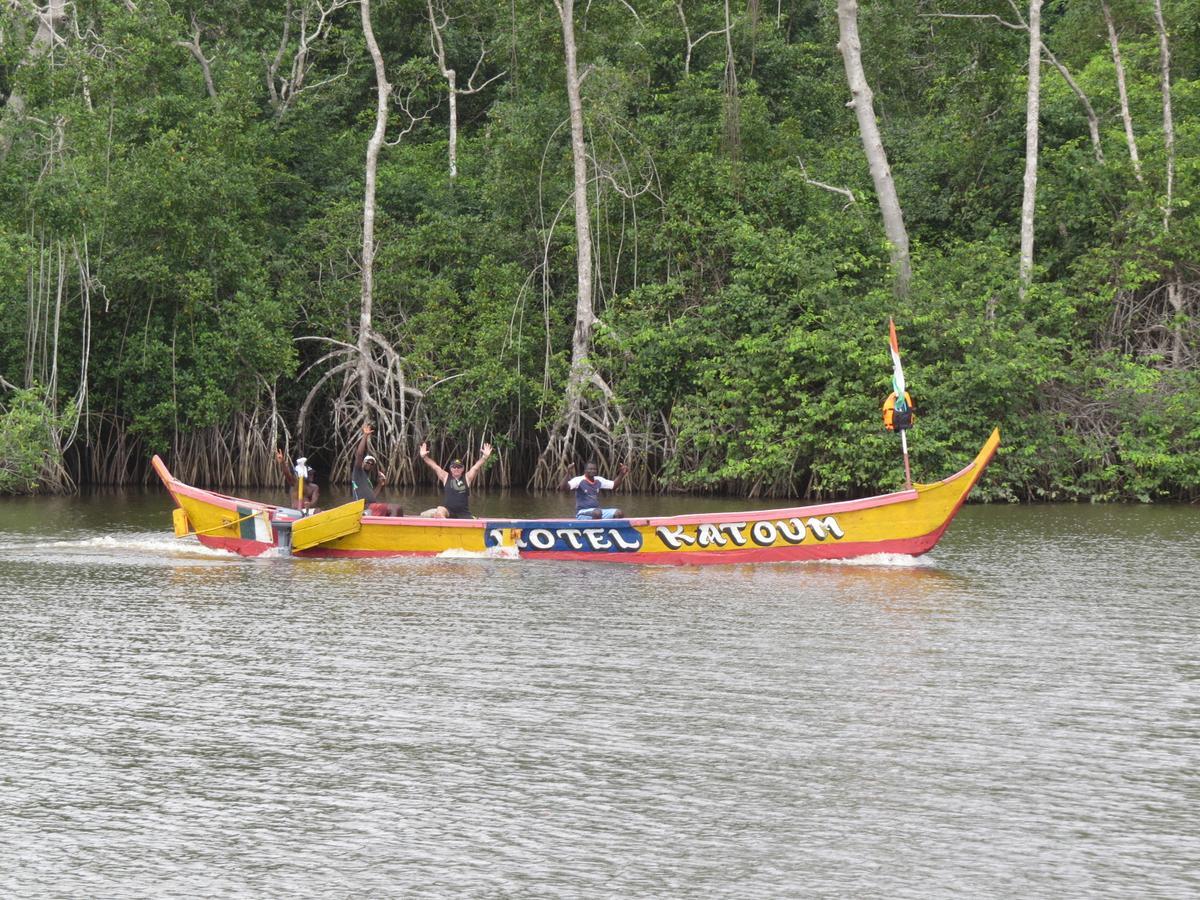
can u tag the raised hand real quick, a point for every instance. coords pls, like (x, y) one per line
(487, 450)
(368, 430)
(424, 449)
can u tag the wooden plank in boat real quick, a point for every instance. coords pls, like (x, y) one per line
(327, 526)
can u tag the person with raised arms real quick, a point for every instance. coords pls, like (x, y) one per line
(587, 488)
(367, 480)
(312, 493)
(456, 485)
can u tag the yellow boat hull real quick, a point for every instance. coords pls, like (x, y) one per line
(909, 522)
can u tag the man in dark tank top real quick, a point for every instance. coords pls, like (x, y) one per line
(456, 485)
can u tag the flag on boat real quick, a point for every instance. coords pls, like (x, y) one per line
(897, 370)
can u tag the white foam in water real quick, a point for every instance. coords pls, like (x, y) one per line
(489, 553)
(895, 560)
(150, 542)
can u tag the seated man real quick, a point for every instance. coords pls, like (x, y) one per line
(311, 491)
(456, 485)
(587, 489)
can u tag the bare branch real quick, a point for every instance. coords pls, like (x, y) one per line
(273, 66)
(439, 19)
(472, 87)
(193, 46)
(1021, 25)
(283, 90)
(1092, 120)
(687, 34)
(405, 105)
(44, 40)
(625, 3)
(845, 192)
(989, 16)
(1122, 92)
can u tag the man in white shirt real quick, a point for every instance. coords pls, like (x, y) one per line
(587, 489)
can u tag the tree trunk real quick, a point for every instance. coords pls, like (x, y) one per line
(439, 52)
(581, 416)
(1032, 109)
(1122, 92)
(47, 33)
(868, 128)
(1174, 288)
(584, 316)
(733, 103)
(1164, 50)
(382, 91)
(194, 48)
(452, 90)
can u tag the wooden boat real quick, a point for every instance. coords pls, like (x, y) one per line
(908, 522)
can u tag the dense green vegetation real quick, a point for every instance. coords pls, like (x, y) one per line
(173, 259)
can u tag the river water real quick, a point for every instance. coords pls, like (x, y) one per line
(1015, 714)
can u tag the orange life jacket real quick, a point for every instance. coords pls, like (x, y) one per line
(889, 412)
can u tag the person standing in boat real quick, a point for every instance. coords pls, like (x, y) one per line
(456, 485)
(587, 488)
(366, 478)
(312, 492)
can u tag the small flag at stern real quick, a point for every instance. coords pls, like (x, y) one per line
(897, 370)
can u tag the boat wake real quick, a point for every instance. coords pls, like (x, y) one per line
(889, 560)
(489, 553)
(137, 542)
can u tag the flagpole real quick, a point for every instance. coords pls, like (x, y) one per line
(901, 397)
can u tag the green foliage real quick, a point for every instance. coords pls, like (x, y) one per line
(183, 245)
(28, 445)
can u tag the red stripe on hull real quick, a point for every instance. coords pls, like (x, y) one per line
(802, 553)
(239, 546)
(323, 553)
(796, 553)
(808, 552)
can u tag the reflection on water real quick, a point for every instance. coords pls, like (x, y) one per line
(1014, 714)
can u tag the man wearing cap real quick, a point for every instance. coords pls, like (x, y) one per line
(587, 489)
(366, 477)
(456, 484)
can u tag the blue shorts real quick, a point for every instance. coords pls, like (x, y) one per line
(606, 513)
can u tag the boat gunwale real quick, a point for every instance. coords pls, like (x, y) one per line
(226, 501)
(976, 466)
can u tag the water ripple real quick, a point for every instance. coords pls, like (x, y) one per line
(1017, 714)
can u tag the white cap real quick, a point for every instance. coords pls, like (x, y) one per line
(368, 458)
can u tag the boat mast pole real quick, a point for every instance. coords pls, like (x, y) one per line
(907, 471)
